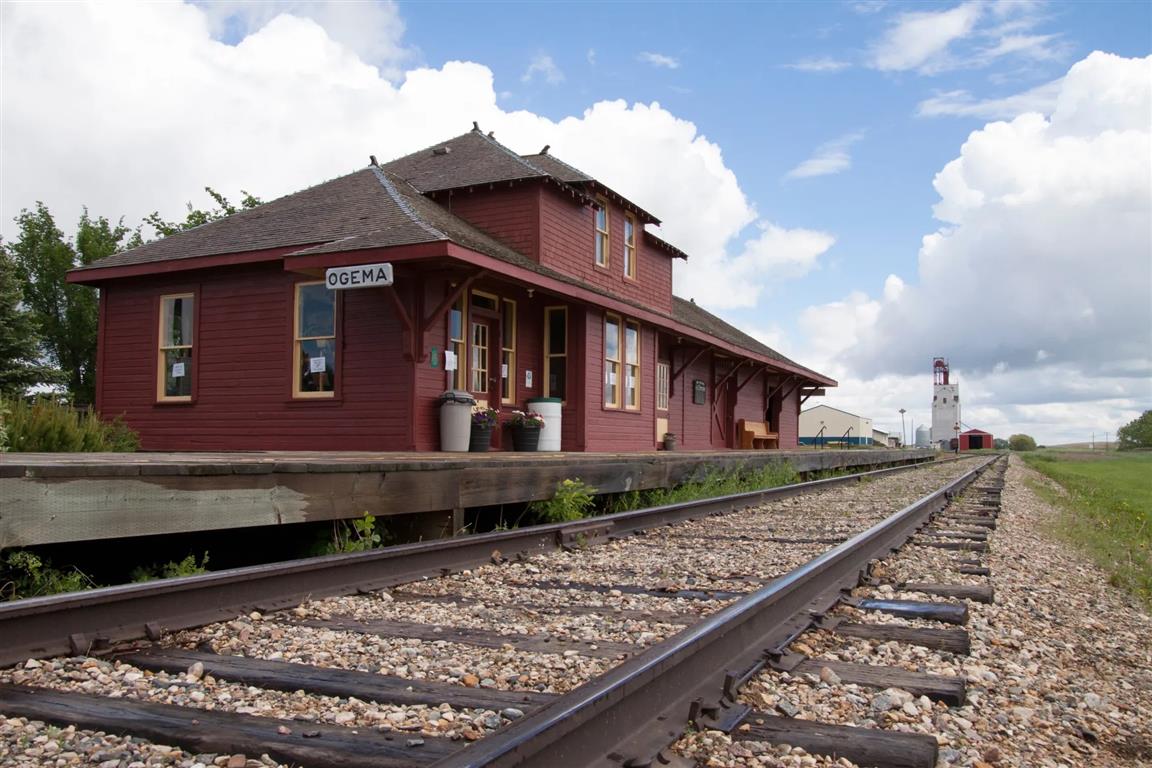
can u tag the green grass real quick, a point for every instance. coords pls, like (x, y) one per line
(707, 485)
(1107, 511)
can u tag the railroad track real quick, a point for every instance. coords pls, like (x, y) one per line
(599, 652)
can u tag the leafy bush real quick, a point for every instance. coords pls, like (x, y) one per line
(572, 501)
(1021, 443)
(189, 566)
(712, 483)
(352, 536)
(50, 426)
(24, 574)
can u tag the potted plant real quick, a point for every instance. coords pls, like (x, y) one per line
(669, 441)
(484, 420)
(526, 426)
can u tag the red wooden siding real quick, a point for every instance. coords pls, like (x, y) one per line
(511, 214)
(242, 368)
(567, 245)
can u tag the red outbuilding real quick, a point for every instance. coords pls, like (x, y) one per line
(513, 277)
(975, 440)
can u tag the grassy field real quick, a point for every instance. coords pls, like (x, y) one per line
(1107, 512)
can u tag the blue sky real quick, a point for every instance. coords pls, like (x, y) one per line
(862, 185)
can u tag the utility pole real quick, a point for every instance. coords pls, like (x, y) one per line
(903, 440)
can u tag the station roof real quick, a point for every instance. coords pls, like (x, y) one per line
(374, 208)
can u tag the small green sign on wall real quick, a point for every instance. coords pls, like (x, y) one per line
(434, 358)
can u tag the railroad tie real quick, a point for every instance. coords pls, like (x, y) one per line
(478, 637)
(950, 690)
(867, 747)
(327, 681)
(213, 731)
(941, 639)
(950, 613)
(981, 593)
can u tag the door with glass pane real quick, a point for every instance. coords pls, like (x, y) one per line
(484, 361)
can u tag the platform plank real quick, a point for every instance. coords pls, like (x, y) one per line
(866, 747)
(344, 683)
(478, 637)
(952, 640)
(950, 690)
(212, 731)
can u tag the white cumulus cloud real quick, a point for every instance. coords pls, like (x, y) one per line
(150, 106)
(961, 103)
(1038, 284)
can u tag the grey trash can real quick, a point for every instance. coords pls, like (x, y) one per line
(455, 420)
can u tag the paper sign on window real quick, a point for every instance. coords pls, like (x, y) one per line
(177, 370)
(504, 370)
(449, 360)
(611, 377)
(316, 365)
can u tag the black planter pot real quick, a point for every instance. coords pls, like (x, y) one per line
(479, 439)
(526, 438)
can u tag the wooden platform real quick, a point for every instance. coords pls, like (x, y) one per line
(53, 498)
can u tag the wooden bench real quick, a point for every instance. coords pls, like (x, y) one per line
(755, 434)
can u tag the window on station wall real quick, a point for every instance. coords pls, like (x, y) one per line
(663, 376)
(508, 352)
(314, 357)
(631, 365)
(174, 366)
(601, 232)
(456, 345)
(556, 352)
(611, 361)
(630, 246)
(621, 363)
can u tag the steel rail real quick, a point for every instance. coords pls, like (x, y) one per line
(629, 715)
(84, 622)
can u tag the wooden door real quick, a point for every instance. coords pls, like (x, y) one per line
(484, 361)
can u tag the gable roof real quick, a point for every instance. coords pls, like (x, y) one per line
(340, 208)
(470, 159)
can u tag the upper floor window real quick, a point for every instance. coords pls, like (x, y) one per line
(314, 353)
(174, 366)
(556, 352)
(601, 232)
(630, 246)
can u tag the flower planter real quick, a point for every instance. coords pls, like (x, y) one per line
(480, 439)
(525, 438)
(669, 442)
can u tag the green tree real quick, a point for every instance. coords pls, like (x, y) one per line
(65, 314)
(21, 366)
(1021, 443)
(1136, 433)
(1000, 444)
(196, 217)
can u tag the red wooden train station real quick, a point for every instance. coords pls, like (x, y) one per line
(513, 277)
